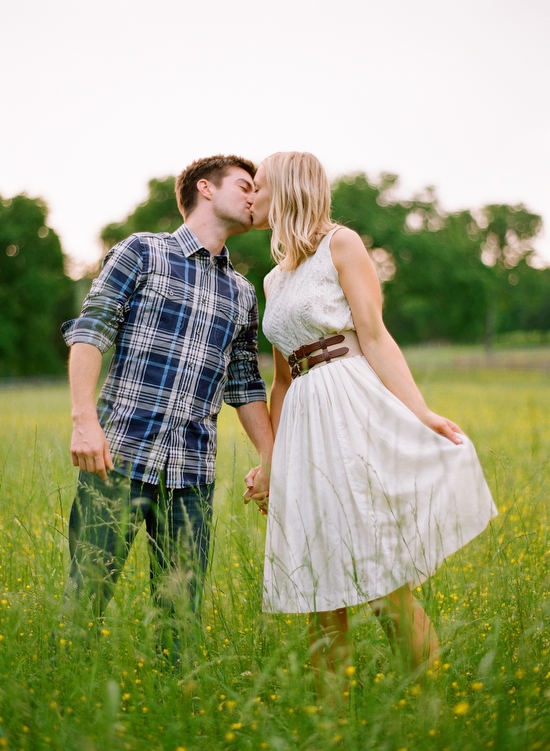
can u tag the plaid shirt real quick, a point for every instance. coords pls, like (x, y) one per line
(184, 326)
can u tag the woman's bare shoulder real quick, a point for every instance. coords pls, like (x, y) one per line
(346, 244)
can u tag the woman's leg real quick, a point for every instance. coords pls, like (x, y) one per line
(330, 653)
(408, 628)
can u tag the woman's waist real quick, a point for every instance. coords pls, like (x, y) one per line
(323, 351)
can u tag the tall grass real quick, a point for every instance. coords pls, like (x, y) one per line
(64, 685)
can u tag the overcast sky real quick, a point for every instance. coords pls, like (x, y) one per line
(99, 97)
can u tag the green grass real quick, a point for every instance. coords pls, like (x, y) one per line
(511, 356)
(250, 686)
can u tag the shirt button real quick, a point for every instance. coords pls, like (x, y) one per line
(171, 293)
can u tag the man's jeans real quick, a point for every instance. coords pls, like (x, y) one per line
(106, 516)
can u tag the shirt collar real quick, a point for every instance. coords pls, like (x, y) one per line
(190, 244)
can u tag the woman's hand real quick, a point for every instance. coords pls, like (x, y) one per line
(443, 426)
(257, 488)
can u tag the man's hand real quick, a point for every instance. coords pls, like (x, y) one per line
(257, 488)
(255, 420)
(90, 449)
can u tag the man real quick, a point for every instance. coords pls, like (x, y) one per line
(184, 325)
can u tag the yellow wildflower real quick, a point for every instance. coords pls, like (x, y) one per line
(462, 708)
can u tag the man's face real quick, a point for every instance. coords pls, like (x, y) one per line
(231, 201)
(262, 200)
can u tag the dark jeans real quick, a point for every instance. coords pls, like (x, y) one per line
(106, 516)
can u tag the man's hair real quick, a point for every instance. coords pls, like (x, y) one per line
(299, 214)
(213, 168)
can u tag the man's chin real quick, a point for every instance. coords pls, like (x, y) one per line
(240, 228)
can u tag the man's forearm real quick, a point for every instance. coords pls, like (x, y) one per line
(89, 447)
(84, 370)
(255, 420)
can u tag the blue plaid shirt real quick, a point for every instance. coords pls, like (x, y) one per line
(184, 325)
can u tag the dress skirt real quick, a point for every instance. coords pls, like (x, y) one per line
(364, 498)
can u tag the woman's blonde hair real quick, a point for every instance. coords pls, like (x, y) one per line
(299, 214)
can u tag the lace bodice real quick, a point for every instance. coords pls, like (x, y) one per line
(307, 303)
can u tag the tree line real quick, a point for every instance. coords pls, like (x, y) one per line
(466, 276)
(455, 277)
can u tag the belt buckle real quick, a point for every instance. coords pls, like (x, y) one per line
(299, 366)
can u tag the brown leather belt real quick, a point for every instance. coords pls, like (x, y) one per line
(303, 359)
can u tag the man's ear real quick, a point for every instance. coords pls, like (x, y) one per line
(205, 189)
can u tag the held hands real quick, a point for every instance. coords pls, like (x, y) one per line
(257, 488)
(443, 426)
(90, 449)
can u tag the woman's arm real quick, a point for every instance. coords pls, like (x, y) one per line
(362, 290)
(281, 382)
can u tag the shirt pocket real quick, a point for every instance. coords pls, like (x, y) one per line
(229, 318)
(162, 304)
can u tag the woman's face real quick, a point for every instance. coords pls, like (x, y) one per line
(262, 200)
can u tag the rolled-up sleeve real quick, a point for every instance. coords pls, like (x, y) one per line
(244, 383)
(106, 304)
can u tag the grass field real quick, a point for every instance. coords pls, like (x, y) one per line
(250, 686)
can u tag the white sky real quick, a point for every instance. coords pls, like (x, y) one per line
(98, 97)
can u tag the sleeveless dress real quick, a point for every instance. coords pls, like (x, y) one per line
(364, 498)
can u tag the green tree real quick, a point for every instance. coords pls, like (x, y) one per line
(157, 213)
(505, 235)
(432, 288)
(35, 293)
(456, 277)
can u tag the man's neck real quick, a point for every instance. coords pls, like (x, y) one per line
(211, 236)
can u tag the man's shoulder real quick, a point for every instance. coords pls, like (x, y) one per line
(138, 240)
(138, 245)
(152, 237)
(240, 277)
(242, 281)
(151, 243)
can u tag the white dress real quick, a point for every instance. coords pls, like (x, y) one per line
(364, 498)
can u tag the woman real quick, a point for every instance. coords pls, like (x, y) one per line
(370, 490)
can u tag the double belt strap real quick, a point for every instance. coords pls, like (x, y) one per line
(302, 359)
